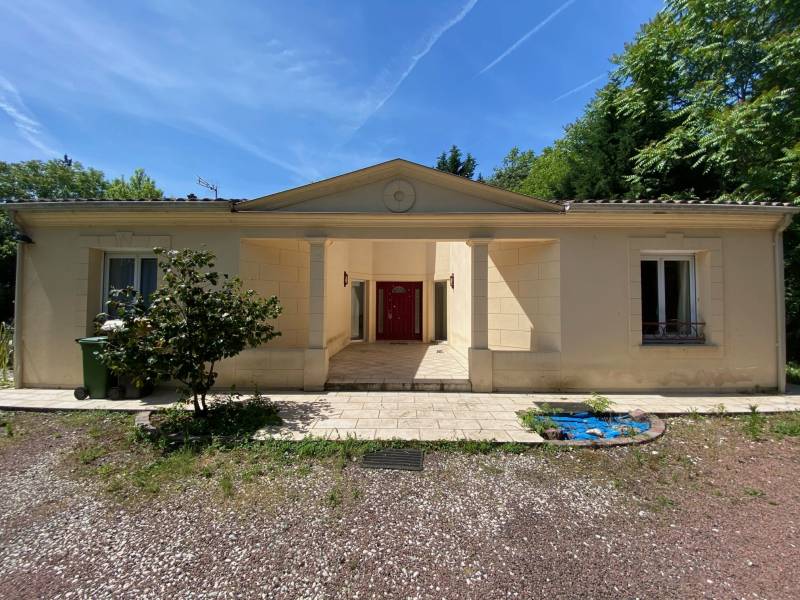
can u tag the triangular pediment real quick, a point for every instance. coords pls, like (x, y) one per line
(401, 187)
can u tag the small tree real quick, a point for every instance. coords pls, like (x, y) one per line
(194, 319)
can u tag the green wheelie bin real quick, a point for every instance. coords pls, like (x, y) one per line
(96, 377)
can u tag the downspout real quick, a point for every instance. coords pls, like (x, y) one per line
(780, 302)
(18, 366)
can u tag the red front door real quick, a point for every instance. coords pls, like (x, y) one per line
(399, 306)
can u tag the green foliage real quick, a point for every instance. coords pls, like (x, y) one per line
(196, 318)
(51, 179)
(138, 186)
(229, 417)
(754, 423)
(549, 177)
(788, 425)
(54, 179)
(515, 169)
(6, 351)
(721, 75)
(8, 267)
(536, 420)
(451, 162)
(599, 404)
(793, 372)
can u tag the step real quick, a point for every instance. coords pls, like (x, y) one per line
(394, 385)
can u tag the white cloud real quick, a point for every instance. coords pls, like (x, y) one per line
(580, 87)
(26, 125)
(429, 44)
(415, 58)
(522, 40)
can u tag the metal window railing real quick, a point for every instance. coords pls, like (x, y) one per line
(690, 332)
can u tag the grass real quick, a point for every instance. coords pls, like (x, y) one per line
(133, 469)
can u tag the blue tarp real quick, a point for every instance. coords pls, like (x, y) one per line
(576, 425)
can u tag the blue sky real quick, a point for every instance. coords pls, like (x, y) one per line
(259, 96)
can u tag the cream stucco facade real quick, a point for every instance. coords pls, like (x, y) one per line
(540, 296)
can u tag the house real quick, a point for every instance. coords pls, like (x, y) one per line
(529, 295)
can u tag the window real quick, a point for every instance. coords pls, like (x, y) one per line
(440, 312)
(357, 309)
(139, 271)
(669, 302)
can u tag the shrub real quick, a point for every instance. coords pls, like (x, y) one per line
(196, 318)
(6, 350)
(228, 417)
(793, 372)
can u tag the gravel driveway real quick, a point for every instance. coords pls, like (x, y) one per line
(584, 524)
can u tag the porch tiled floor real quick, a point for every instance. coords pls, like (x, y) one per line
(413, 415)
(399, 366)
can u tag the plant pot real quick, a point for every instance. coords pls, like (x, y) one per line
(133, 392)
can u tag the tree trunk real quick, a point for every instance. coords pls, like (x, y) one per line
(196, 405)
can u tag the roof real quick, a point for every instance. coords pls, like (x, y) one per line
(79, 200)
(139, 204)
(399, 167)
(388, 169)
(678, 201)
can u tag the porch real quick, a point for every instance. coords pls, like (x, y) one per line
(360, 314)
(399, 366)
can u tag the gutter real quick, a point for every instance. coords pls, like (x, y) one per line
(659, 207)
(780, 303)
(120, 205)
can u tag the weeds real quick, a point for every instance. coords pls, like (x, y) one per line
(6, 425)
(789, 425)
(334, 497)
(535, 420)
(90, 454)
(226, 485)
(598, 404)
(694, 414)
(754, 423)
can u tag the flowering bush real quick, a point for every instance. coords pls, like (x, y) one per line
(194, 319)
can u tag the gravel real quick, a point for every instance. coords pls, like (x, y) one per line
(483, 527)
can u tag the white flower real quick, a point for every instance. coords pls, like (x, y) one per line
(113, 325)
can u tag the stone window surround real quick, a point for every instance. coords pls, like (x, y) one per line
(89, 282)
(709, 282)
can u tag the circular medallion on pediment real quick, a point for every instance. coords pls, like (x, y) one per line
(399, 195)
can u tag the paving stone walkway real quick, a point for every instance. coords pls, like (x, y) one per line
(414, 415)
(399, 366)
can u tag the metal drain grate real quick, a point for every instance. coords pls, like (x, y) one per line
(394, 458)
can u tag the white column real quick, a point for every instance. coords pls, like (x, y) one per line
(316, 359)
(480, 357)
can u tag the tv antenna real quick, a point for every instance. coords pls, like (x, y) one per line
(211, 186)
